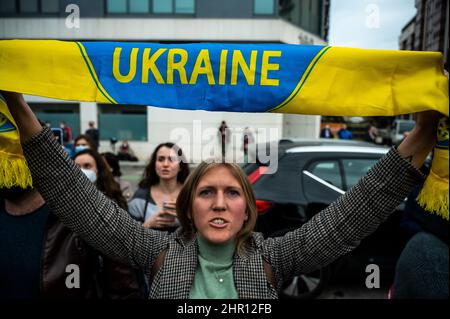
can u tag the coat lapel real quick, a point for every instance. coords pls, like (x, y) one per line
(174, 280)
(250, 279)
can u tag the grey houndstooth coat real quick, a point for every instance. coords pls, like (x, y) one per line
(332, 233)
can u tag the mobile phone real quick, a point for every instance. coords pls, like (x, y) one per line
(168, 216)
(166, 206)
(58, 134)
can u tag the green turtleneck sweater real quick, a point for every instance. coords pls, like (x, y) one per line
(214, 275)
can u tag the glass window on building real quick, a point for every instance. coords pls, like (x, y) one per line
(266, 7)
(184, 6)
(123, 122)
(116, 6)
(50, 6)
(139, 6)
(8, 6)
(29, 6)
(162, 6)
(54, 113)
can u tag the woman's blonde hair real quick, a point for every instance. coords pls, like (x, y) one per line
(186, 198)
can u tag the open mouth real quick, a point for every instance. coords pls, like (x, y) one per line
(218, 222)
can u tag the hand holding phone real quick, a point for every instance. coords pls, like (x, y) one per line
(169, 211)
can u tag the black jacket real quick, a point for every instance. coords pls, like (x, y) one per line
(100, 277)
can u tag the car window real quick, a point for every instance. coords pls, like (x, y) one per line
(328, 171)
(354, 169)
(283, 186)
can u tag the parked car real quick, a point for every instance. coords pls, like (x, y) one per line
(399, 130)
(322, 141)
(312, 174)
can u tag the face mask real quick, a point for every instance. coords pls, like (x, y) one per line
(90, 174)
(80, 148)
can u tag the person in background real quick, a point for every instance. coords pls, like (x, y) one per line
(153, 203)
(121, 281)
(96, 170)
(344, 133)
(112, 143)
(372, 133)
(224, 138)
(114, 165)
(422, 269)
(29, 225)
(81, 143)
(326, 132)
(126, 153)
(92, 132)
(247, 139)
(67, 132)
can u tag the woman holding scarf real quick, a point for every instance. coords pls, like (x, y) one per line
(215, 254)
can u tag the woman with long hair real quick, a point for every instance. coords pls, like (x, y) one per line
(153, 203)
(215, 253)
(95, 168)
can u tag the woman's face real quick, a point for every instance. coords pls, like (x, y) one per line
(86, 161)
(167, 164)
(82, 142)
(219, 208)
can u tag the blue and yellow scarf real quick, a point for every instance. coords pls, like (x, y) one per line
(319, 80)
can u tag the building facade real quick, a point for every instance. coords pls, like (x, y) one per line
(429, 29)
(407, 37)
(167, 21)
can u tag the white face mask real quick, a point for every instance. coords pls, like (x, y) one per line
(90, 174)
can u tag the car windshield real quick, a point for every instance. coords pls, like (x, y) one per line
(405, 127)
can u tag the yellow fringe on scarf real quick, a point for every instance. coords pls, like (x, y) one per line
(434, 194)
(14, 171)
(13, 166)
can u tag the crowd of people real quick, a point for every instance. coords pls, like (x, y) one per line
(91, 140)
(344, 133)
(182, 234)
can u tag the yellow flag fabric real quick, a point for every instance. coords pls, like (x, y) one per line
(229, 77)
(296, 79)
